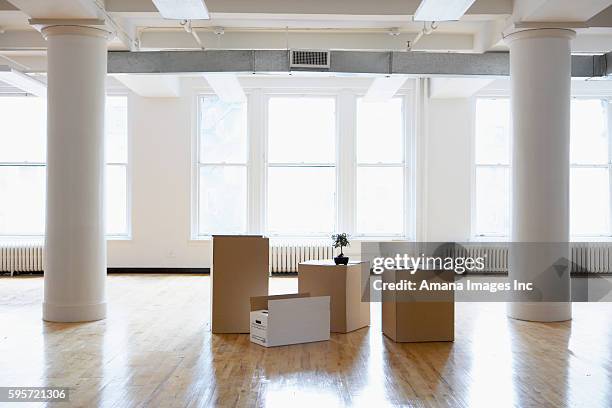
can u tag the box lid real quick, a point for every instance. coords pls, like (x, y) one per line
(330, 262)
(261, 302)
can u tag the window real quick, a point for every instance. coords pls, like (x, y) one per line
(492, 170)
(301, 195)
(380, 168)
(590, 168)
(22, 165)
(309, 165)
(116, 177)
(23, 159)
(222, 167)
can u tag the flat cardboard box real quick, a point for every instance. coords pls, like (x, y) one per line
(345, 285)
(240, 270)
(422, 316)
(289, 319)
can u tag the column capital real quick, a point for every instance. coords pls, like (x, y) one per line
(540, 33)
(83, 27)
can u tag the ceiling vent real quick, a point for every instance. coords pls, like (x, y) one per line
(309, 59)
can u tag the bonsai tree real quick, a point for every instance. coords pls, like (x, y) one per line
(340, 241)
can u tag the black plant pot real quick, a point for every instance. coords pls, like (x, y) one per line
(341, 260)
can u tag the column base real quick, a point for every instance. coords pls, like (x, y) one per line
(74, 314)
(540, 311)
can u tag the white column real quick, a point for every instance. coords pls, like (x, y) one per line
(540, 74)
(75, 246)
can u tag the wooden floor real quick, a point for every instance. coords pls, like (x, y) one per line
(155, 349)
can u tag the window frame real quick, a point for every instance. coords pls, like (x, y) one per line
(198, 165)
(266, 163)
(128, 167)
(345, 160)
(474, 185)
(29, 164)
(493, 95)
(406, 147)
(128, 171)
(608, 166)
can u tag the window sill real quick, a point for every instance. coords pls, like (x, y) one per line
(202, 239)
(489, 239)
(572, 239)
(41, 238)
(381, 238)
(119, 238)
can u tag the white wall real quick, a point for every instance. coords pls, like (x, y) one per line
(448, 164)
(161, 188)
(161, 138)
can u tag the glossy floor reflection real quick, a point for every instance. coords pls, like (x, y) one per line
(156, 350)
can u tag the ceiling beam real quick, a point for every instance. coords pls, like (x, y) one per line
(157, 40)
(22, 40)
(445, 88)
(61, 9)
(5, 5)
(227, 87)
(152, 86)
(384, 88)
(22, 81)
(558, 10)
(314, 7)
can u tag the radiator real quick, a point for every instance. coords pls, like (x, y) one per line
(21, 257)
(593, 257)
(285, 257)
(495, 256)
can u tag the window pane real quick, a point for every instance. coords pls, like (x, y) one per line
(379, 131)
(223, 134)
(116, 200)
(116, 139)
(23, 129)
(223, 200)
(589, 201)
(302, 130)
(492, 201)
(492, 131)
(589, 133)
(301, 200)
(380, 200)
(22, 203)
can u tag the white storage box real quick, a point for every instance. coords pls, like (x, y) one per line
(289, 319)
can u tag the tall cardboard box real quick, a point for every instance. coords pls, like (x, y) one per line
(418, 316)
(345, 285)
(289, 319)
(240, 270)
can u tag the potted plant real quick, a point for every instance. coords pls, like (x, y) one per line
(341, 241)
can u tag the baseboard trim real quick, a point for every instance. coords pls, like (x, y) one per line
(206, 271)
(195, 271)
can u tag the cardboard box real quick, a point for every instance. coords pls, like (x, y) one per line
(289, 319)
(240, 270)
(421, 316)
(345, 285)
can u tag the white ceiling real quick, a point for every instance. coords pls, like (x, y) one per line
(279, 24)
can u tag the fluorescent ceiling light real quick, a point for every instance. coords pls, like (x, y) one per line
(22, 81)
(182, 9)
(384, 88)
(442, 10)
(227, 87)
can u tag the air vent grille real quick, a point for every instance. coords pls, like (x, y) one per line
(309, 59)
